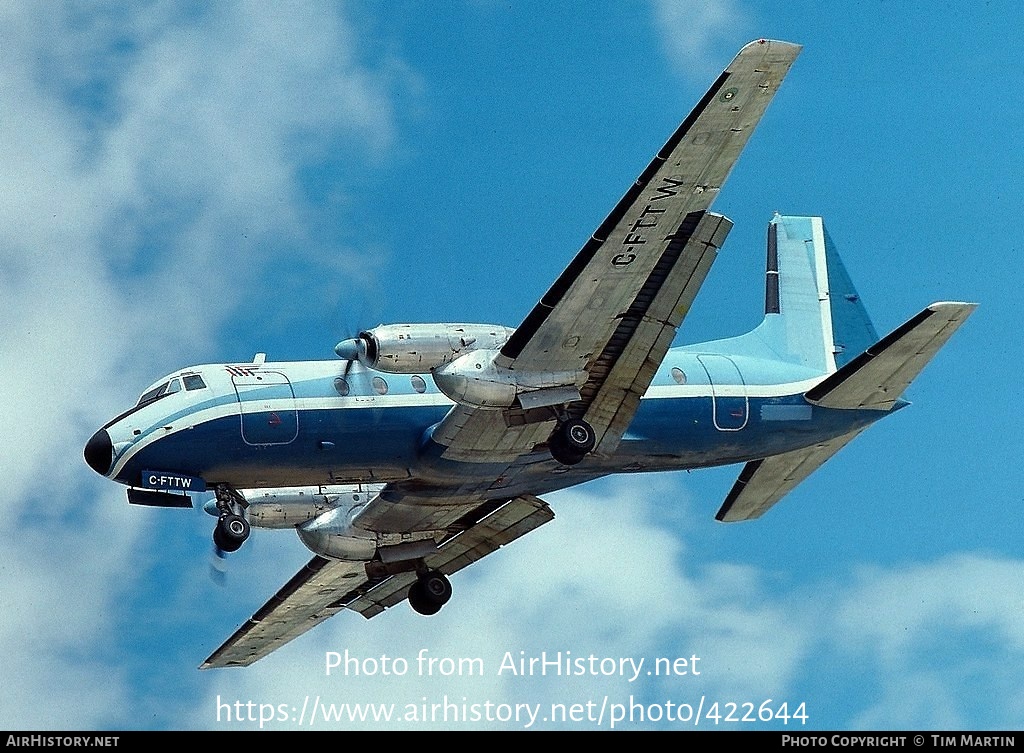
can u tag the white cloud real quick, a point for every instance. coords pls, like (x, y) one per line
(140, 149)
(607, 578)
(935, 633)
(693, 33)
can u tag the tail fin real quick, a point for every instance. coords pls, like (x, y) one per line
(821, 320)
(814, 317)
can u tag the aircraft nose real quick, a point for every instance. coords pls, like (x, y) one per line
(99, 452)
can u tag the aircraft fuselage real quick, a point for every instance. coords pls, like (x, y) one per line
(288, 424)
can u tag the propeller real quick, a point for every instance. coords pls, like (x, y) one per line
(349, 349)
(218, 566)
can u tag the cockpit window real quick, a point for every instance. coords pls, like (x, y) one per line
(167, 388)
(153, 394)
(193, 382)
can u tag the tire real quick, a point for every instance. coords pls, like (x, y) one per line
(420, 602)
(231, 532)
(572, 441)
(436, 587)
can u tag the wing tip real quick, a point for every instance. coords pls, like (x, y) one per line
(953, 307)
(787, 49)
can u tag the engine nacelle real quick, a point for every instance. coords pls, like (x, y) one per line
(476, 379)
(287, 507)
(420, 348)
(333, 535)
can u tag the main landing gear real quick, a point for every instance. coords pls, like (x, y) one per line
(572, 439)
(430, 592)
(232, 528)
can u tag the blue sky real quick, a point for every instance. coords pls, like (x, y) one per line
(186, 183)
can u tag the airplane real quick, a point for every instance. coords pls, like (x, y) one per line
(425, 447)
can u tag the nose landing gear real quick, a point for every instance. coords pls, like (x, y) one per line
(232, 528)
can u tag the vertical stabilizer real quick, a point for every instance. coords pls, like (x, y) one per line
(813, 313)
(852, 330)
(814, 318)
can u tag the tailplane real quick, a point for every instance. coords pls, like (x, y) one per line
(873, 380)
(876, 378)
(814, 318)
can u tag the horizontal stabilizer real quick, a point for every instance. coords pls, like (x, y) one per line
(762, 483)
(877, 377)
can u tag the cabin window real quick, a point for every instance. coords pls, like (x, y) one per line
(418, 384)
(380, 386)
(679, 375)
(341, 386)
(193, 382)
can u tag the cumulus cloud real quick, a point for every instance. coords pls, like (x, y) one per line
(935, 633)
(150, 168)
(610, 578)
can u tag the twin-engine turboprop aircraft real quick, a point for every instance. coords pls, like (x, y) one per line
(426, 446)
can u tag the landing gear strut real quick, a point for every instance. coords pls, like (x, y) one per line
(430, 592)
(571, 441)
(232, 528)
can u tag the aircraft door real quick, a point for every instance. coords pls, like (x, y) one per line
(267, 405)
(730, 405)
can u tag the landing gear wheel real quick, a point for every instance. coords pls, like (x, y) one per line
(231, 532)
(571, 441)
(436, 586)
(430, 592)
(419, 602)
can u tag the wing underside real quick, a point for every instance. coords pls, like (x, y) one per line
(612, 314)
(324, 587)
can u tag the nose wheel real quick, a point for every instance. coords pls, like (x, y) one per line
(430, 592)
(230, 532)
(232, 528)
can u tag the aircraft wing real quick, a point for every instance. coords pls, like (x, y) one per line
(612, 314)
(324, 587)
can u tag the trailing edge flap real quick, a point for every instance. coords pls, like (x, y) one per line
(511, 520)
(877, 377)
(324, 587)
(762, 483)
